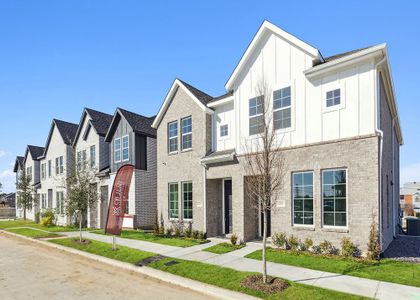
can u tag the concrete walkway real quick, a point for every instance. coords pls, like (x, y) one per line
(236, 260)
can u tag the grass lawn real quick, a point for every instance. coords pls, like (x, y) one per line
(223, 248)
(210, 274)
(32, 224)
(385, 269)
(33, 233)
(149, 237)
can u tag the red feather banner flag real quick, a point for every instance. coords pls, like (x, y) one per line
(119, 198)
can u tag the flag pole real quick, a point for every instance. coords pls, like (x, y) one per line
(114, 243)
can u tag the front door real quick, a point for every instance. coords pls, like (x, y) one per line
(227, 197)
(104, 205)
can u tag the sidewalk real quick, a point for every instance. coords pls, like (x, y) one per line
(236, 260)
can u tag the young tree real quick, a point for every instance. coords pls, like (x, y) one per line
(24, 192)
(81, 193)
(264, 162)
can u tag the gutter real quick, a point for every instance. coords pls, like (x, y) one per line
(204, 196)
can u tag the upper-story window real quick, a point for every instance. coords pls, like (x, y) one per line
(117, 150)
(333, 98)
(43, 171)
(224, 130)
(125, 146)
(334, 197)
(173, 137)
(121, 146)
(81, 160)
(59, 165)
(29, 172)
(186, 136)
(92, 155)
(282, 110)
(49, 168)
(256, 118)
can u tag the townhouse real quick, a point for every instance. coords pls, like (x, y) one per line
(337, 128)
(410, 199)
(56, 165)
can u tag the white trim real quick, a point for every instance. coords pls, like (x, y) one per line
(223, 206)
(292, 106)
(182, 200)
(117, 161)
(330, 88)
(220, 102)
(177, 83)
(224, 137)
(220, 158)
(185, 134)
(270, 28)
(313, 201)
(122, 148)
(168, 140)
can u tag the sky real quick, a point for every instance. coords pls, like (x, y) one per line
(57, 57)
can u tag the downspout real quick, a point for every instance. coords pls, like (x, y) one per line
(380, 133)
(204, 196)
(393, 178)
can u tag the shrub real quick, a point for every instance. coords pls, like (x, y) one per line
(293, 242)
(202, 235)
(177, 232)
(233, 239)
(279, 240)
(156, 226)
(168, 232)
(188, 232)
(161, 230)
(308, 243)
(316, 249)
(47, 218)
(195, 234)
(374, 248)
(37, 214)
(348, 249)
(326, 247)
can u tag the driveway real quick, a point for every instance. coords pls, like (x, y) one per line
(32, 271)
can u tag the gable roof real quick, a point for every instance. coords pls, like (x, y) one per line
(139, 124)
(35, 152)
(268, 28)
(199, 97)
(18, 163)
(67, 132)
(100, 122)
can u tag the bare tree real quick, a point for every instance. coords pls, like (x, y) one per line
(24, 192)
(264, 162)
(81, 193)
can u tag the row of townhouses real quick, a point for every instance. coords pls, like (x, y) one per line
(338, 129)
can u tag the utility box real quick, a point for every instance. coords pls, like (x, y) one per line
(413, 226)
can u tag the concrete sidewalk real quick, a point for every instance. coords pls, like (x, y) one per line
(236, 260)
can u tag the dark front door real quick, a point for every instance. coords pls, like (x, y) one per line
(228, 205)
(104, 205)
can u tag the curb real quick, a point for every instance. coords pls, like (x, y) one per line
(194, 285)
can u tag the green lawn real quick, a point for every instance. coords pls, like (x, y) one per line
(210, 274)
(33, 233)
(223, 248)
(32, 224)
(385, 269)
(149, 237)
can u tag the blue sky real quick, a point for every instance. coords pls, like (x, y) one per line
(57, 57)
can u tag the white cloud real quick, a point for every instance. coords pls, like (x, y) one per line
(410, 173)
(8, 179)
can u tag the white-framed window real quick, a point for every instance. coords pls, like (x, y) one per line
(59, 165)
(117, 150)
(60, 202)
(187, 200)
(173, 200)
(333, 98)
(256, 118)
(81, 159)
(43, 171)
(173, 137)
(92, 156)
(224, 130)
(282, 108)
(29, 172)
(44, 200)
(186, 133)
(49, 168)
(334, 197)
(303, 198)
(125, 148)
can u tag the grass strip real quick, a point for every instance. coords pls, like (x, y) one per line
(223, 248)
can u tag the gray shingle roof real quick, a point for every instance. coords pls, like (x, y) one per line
(100, 121)
(201, 96)
(139, 123)
(67, 130)
(18, 163)
(340, 55)
(228, 94)
(35, 151)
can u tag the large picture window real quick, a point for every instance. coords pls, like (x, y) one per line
(334, 197)
(303, 198)
(282, 110)
(173, 137)
(186, 136)
(173, 201)
(187, 198)
(256, 118)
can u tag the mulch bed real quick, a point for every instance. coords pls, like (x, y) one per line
(273, 285)
(83, 242)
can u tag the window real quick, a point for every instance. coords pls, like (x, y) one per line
(57, 166)
(60, 202)
(173, 200)
(92, 156)
(49, 168)
(303, 198)
(282, 108)
(256, 118)
(62, 164)
(125, 155)
(81, 160)
(117, 150)
(43, 200)
(43, 171)
(29, 172)
(333, 97)
(173, 137)
(224, 130)
(334, 197)
(187, 198)
(186, 136)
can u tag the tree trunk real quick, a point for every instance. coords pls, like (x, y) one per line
(80, 227)
(264, 258)
(24, 212)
